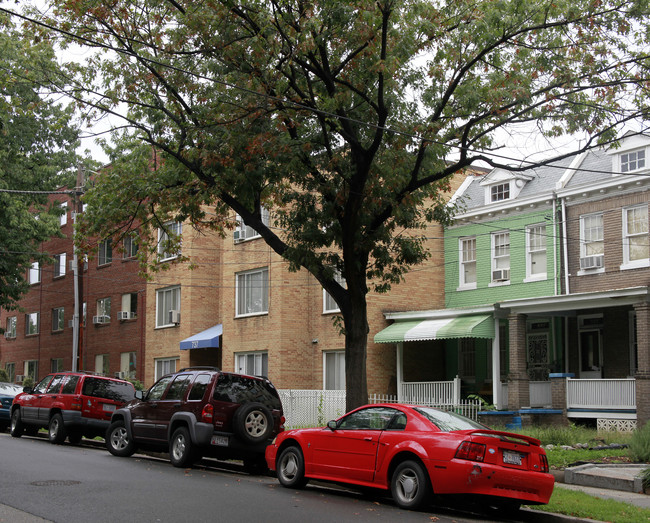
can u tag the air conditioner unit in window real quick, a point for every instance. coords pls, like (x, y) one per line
(239, 235)
(501, 275)
(20, 377)
(9, 335)
(99, 320)
(174, 317)
(124, 315)
(120, 375)
(591, 262)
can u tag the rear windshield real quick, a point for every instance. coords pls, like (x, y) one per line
(448, 421)
(108, 389)
(242, 389)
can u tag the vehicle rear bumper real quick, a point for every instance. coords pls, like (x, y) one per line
(73, 418)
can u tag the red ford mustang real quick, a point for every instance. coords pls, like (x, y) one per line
(415, 452)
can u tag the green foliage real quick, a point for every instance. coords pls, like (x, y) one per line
(645, 479)
(28, 382)
(137, 384)
(4, 376)
(640, 444)
(559, 458)
(573, 434)
(484, 404)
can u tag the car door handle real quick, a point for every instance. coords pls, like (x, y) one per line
(368, 438)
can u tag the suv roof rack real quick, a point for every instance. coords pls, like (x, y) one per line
(199, 368)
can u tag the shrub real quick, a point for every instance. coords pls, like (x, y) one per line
(3, 375)
(640, 444)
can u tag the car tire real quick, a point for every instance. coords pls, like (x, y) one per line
(291, 468)
(17, 427)
(55, 430)
(253, 423)
(118, 442)
(409, 485)
(74, 437)
(181, 450)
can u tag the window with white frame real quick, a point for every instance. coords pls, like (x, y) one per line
(334, 370)
(59, 264)
(104, 309)
(635, 234)
(165, 366)
(167, 300)
(501, 256)
(127, 364)
(167, 235)
(500, 192)
(467, 272)
(252, 363)
(32, 323)
(130, 247)
(102, 364)
(35, 273)
(31, 369)
(536, 251)
(63, 219)
(10, 329)
(632, 160)
(11, 371)
(57, 319)
(329, 305)
(129, 307)
(592, 245)
(105, 252)
(245, 232)
(252, 292)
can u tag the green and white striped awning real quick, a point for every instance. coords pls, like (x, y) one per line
(478, 326)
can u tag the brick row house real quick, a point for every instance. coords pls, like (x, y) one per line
(547, 271)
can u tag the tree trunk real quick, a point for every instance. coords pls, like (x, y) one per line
(356, 342)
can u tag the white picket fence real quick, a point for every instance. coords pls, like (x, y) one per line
(314, 408)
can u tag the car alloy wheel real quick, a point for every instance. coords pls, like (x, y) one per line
(56, 431)
(291, 468)
(17, 427)
(181, 453)
(253, 423)
(409, 485)
(118, 442)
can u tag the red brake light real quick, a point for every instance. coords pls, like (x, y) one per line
(471, 451)
(207, 415)
(543, 461)
(75, 404)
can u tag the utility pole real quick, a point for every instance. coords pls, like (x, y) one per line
(76, 331)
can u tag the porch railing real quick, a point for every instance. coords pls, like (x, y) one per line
(467, 408)
(601, 394)
(436, 392)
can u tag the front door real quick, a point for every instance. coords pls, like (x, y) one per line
(591, 354)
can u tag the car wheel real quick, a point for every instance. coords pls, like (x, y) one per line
(118, 442)
(253, 423)
(291, 468)
(56, 431)
(409, 485)
(181, 450)
(74, 437)
(17, 427)
(256, 466)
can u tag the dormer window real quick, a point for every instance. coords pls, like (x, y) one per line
(500, 192)
(632, 160)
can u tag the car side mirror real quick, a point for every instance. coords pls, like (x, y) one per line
(139, 394)
(332, 425)
(28, 390)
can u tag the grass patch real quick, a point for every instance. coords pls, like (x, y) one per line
(581, 505)
(560, 458)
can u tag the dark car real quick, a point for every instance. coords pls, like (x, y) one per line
(198, 412)
(69, 404)
(7, 393)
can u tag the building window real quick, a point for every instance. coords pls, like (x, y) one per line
(536, 251)
(59, 265)
(130, 247)
(63, 219)
(103, 311)
(32, 323)
(168, 304)
(57, 319)
(501, 256)
(329, 305)
(11, 371)
(127, 365)
(56, 365)
(10, 329)
(252, 292)
(167, 235)
(252, 363)
(632, 160)
(635, 234)
(105, 253)
(467, 262)
(129, 308)
(165, 366)
(592, 246)
(500, 192)
(102, 364)
(31, 369)
(244, 232)
(334, 370)
(35, 273)
(467, 358)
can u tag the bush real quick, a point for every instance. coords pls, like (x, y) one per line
(3, 375)
(640, 444)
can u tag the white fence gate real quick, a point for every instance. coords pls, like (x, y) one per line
(311, 408)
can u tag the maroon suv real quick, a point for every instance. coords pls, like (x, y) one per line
(69, 404)
(201, 411)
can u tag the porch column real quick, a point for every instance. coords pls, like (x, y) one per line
(559, 391)
(518, 382)
(400, 370)
(642, 376)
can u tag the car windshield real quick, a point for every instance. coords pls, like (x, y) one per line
(448, 421)
(10, 389)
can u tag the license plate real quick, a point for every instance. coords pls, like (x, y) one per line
(511, 458)
(222, 441)
(108, 407)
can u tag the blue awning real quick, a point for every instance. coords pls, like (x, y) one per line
(209, 338)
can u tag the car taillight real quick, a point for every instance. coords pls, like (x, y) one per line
(543, 463)
(282, 421)
(76, 403)
(471, 451)
(207, 415)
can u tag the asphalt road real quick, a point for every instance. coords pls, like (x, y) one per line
(62, 483)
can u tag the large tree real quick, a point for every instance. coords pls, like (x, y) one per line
(344, 118)
(37, 149)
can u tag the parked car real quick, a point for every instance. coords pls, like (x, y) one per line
(415, 452)
(7, 393)
(69, 404)
(201, 411)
